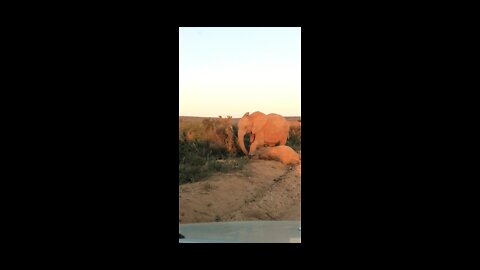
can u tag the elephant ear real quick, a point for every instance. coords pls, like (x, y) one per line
(259, 123)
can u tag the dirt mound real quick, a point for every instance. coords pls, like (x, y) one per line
(264, 190)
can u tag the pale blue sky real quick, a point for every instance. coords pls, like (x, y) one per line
(233, 70)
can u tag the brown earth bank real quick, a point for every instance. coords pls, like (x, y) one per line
(263, 190)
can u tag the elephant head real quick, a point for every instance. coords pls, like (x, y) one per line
(263, 129)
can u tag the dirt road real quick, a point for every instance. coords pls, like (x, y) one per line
(263, 190)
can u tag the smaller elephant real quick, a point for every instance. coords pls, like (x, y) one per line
(282, 153)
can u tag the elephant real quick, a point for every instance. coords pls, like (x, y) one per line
(270, 129)
(282, 153)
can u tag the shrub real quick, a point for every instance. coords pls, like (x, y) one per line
(206, 147)
(295, 139)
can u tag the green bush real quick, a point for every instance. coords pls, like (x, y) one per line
(197, 161)
(295, 139)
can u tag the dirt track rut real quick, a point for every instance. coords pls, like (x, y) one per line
(266, 190)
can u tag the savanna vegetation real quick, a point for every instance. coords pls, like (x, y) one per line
(208, 145)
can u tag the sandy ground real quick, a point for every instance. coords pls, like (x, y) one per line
(264, 190)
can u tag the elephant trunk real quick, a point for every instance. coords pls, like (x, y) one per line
(241, 142)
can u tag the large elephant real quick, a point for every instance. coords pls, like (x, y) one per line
(271, 129)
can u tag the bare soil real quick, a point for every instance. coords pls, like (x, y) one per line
(263, 190)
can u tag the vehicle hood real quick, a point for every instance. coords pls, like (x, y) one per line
(242, 232)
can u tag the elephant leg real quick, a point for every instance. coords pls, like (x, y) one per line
(283, 139)
(258, 142)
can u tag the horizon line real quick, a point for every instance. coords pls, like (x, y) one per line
(232, 116)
